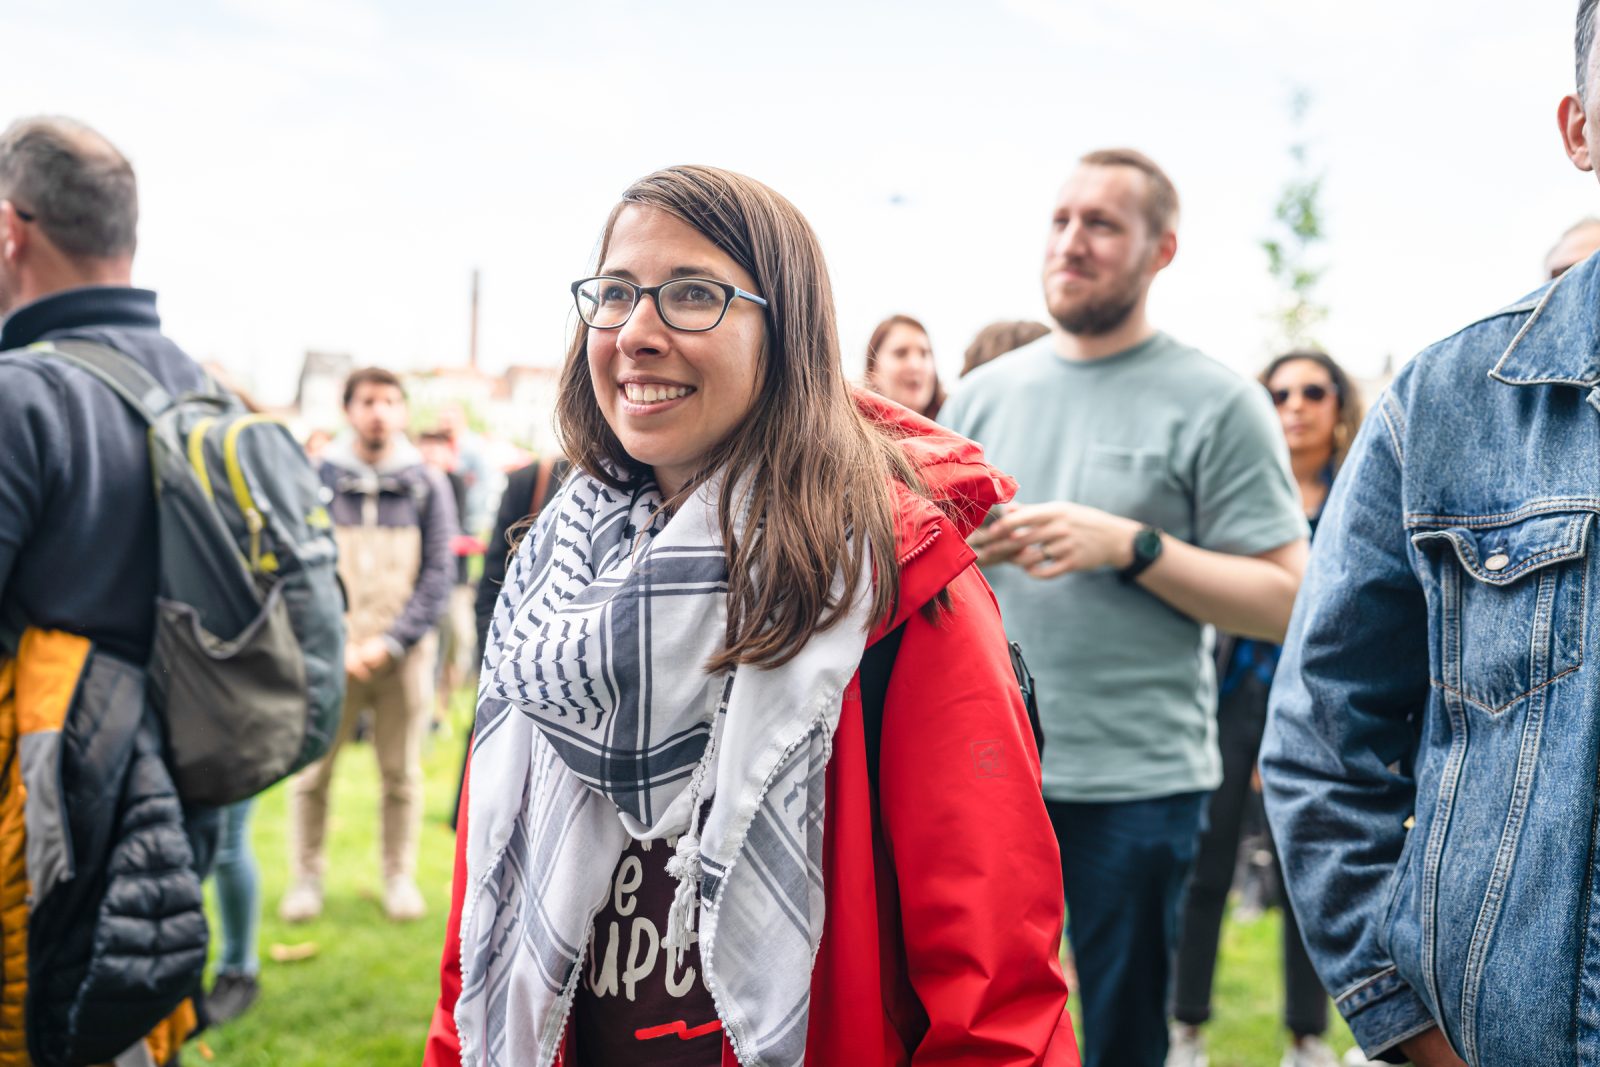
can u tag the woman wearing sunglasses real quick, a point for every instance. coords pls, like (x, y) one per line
(1320, 411)
(681, 841)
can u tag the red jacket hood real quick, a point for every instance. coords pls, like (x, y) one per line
(931, 531)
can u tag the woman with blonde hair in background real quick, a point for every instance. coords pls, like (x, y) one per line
(1320, 410)
(690, 835)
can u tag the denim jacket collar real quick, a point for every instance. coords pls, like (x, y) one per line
(1560, 342)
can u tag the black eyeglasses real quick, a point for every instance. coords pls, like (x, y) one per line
(692, 305)
(1314, 394)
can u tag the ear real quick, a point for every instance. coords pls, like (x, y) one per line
(1166, 250)
(14, 233)
(1575, 132)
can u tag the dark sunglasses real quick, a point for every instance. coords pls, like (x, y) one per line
(1314, 394)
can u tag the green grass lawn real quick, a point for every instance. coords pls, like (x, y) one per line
(1247, 1024)
(366, 997)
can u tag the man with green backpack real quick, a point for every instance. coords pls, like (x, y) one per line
(170, 623)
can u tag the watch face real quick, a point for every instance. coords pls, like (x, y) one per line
(1147, 543)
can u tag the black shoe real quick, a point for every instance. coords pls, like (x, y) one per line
(230, 997)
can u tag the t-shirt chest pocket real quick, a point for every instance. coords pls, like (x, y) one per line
(1508, 602)
(1135, 484)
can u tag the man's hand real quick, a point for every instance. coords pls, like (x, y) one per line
(993, 546)
(1430, 1049)
(364, 657)
(1049, 540)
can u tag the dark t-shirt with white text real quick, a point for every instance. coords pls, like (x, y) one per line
(634, 1007)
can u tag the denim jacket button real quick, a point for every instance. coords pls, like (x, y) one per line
(1496, 562)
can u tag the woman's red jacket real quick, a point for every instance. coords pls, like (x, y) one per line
(944, 903)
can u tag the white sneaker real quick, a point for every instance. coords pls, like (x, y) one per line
(302, 903)
(1186, 1046)
(402, 901)
(1356, 1058)
(1310, 1052)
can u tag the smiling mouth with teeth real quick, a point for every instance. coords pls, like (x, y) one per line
(638, 393)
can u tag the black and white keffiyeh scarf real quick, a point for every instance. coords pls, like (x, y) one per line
(597, 722)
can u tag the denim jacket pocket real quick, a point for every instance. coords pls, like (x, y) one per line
(1511, 600)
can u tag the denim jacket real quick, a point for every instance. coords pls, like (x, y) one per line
(1435, 677)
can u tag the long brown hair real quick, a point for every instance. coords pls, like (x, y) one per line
(818, 473)
(880, 334)
(1345, 392)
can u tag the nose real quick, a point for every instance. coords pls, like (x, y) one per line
(1069, 242)
(644, 334)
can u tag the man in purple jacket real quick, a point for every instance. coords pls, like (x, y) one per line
(394, 518)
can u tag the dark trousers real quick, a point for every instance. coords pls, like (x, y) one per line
(1241, 718)
(1123, 865)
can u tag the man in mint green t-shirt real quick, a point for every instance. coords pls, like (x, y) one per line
(1155, 499)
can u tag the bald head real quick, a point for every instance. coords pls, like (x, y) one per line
(73, 184)
(1576, 245)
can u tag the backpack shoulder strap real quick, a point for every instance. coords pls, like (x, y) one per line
(877, 663)
(1030, 696)
(12, 625)
(122, 374)
(541, 484)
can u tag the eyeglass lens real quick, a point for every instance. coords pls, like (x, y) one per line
(685, 304)
(1314, 394)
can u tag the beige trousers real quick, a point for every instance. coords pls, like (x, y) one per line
(400, 696)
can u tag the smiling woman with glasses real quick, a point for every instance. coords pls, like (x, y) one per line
(752, 780)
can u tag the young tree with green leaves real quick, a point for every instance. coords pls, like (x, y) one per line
(1295, 240)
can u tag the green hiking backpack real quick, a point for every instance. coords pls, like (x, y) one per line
(247, 665)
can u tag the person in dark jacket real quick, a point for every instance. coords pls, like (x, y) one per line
(394, 518)
(111, 931)
(528, 490)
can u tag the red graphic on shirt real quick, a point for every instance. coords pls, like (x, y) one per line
(680, 1029)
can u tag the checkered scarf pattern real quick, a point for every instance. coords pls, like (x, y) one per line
(597, 723)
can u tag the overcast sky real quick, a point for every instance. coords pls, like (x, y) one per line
(327, 173)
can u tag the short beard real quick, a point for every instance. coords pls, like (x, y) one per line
(372, 446)
(1096, 318)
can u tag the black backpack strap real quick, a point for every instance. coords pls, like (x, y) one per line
(122, 374)
(559, 470)
(877, 663)
(12, 624)
(1030, 695)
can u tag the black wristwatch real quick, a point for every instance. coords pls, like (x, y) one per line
(1146, 550)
